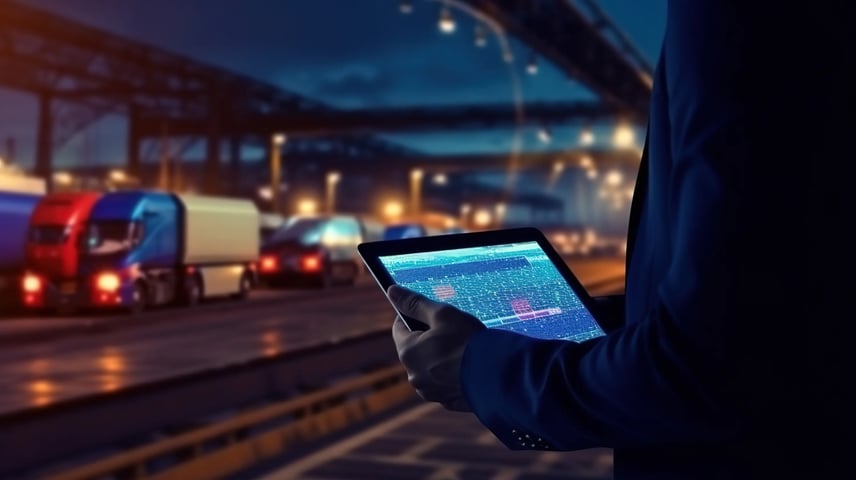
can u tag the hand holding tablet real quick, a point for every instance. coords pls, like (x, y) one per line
(433, 357)
(511, 279)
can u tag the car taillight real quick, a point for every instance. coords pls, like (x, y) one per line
(108, 282)
(310, 263)
(31, 284)
(268, 263)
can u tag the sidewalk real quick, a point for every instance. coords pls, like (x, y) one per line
(427, 442)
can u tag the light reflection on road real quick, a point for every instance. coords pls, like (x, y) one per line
(63, 368)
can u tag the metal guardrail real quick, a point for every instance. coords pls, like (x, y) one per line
(239, 442)
(37, 438)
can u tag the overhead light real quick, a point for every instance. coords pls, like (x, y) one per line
(446, 24)
(63, 178)
(623, 136)
(613, 178)
(480, 37)
(586, 137)
(532, 65)
(118, 175)
(405, 7)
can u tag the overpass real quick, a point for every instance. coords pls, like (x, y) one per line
(81, 73)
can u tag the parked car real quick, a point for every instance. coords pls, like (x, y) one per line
(319, 249)
(404, 230)
(268, 224)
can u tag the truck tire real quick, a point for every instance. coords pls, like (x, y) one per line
(139, 299)
(245, 285)
(193, 291)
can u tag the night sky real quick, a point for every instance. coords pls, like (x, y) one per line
(347, 53)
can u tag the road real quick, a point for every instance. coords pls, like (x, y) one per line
(44, 361)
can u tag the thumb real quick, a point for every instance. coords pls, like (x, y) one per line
(412, 304)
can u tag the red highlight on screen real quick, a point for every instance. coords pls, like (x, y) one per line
(444, 292)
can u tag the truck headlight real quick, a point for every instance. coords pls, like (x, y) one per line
(108, 282)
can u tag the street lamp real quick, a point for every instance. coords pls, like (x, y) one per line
(307, 206)
(623, 137)
(465, 210)
(415, 191)
(482, 218)
(63, 178)
(613, 178)
(332, 180)
(500, 211)
(117, 175)
(586, 137)
(532, 65)
(446, 24)
(277, 140)
(392, 210)
(480, 36)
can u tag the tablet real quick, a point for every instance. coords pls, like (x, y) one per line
(511, 279)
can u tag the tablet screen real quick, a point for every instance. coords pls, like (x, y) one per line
(513, 286)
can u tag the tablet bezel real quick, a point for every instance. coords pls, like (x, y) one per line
(370, 252)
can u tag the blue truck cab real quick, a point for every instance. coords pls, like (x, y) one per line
(132, 239)
(146, 248)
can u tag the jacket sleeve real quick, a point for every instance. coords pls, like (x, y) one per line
(667, 377)
(610, 311)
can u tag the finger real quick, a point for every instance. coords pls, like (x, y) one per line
(413, 304)
(400, 333)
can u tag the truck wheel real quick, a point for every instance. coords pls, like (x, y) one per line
(244, 287)
(138, 299)
(193, 291)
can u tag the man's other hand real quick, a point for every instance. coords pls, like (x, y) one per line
(433, 357)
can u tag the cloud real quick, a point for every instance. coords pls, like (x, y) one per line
(360, 84)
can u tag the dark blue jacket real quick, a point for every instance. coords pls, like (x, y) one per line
(736, 354)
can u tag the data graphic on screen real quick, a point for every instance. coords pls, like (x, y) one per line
(513, 287)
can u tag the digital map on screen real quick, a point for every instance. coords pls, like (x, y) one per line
(513, 287)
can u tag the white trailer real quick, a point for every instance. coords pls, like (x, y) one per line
(221, 238)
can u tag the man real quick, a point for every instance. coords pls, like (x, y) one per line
(735, 353)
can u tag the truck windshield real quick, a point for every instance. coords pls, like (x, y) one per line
(48, 234)
(110, 236)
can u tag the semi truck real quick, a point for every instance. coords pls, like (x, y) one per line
(51, 259)
(145, 248)
(19, 195)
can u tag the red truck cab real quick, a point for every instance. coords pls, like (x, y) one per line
(52, 250)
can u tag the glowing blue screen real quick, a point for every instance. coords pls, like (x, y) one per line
(513, 287)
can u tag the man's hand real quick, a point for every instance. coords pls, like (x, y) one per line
(433, 357)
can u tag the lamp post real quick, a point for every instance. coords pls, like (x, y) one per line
(464, 214)
(415, 191)
(277, 140)
(332, 180)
